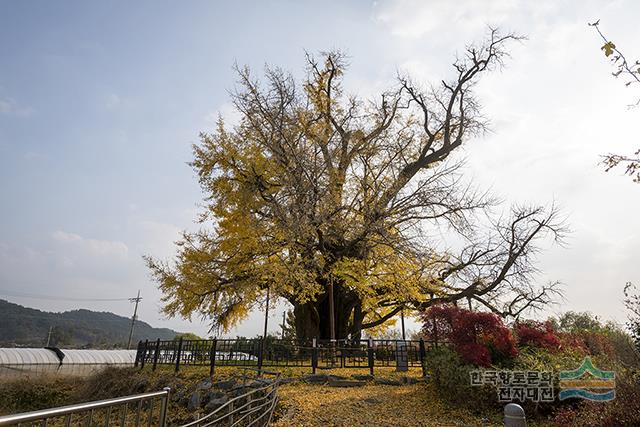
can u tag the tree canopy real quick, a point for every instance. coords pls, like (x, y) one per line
(631, 71)
(323, 196)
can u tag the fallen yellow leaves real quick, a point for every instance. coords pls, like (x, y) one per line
(417, 405)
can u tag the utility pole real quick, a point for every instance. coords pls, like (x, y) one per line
(266, 317)
(49, 336)
(332, 323)
(284, 315)
(332, 315)
(264, 334)
(133, 318)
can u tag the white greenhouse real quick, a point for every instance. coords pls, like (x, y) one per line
(21, 361)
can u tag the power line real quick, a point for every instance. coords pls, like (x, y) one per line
(56, 298)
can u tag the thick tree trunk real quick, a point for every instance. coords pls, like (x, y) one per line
(313, 318)
(356, 325)
(307, 321)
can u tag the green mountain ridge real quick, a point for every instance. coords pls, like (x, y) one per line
(28, 327)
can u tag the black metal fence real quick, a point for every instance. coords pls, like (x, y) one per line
(259, 353)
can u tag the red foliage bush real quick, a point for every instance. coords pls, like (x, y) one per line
(537, 334)
(589, 342)
(574, 341)
(598, 344)
(479, 338)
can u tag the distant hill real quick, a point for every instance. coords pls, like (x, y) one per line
(22, 326)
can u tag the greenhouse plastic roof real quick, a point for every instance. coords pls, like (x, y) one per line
(42, 356)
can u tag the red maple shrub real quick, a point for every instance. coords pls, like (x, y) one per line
(537, 334)
(589, 342)
(598, 344)
(479, 338)
(572, 340)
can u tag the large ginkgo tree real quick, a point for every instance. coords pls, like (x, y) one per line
(334, 203)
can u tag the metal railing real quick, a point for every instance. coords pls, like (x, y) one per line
(134, 410)
(272, 353)
(253, 408)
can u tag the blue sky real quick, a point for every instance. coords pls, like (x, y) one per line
(100, 102)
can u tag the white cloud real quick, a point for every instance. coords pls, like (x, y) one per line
(554, 110)
(62, 236)
(31, 155)
(113, 101)
(9, 106)
(4, 250)
(101, 248)
(415, 18)
(159, 238)
(229, 114)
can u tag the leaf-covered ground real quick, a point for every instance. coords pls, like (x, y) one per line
(300, 404)
(372, 405)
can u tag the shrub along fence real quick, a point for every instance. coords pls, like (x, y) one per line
(252, 406)
(259, 353)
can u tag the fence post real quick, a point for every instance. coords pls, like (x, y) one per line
(163, 407)
(514, 416)
(261, 355)
(156, 353)
(179, 355)
(402, 356)
(370, 355)
(423, 355)
(212, 357)
(144, 354)
(314, 356)
(135, 364)
(231, 413)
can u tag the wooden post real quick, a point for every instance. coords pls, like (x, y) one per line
(156, 354)
(264, 334)
(370, 355)
(423, 355)
(435, 325)
(135, 364)
(231, 414)
(144, 354)
(332, 314)
(284, 315)
(179, 355)
(261, 356)
(314, 356)
(212, 357)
